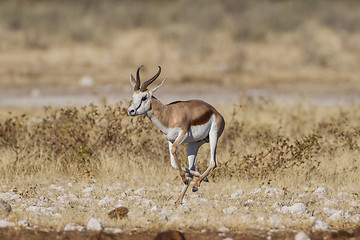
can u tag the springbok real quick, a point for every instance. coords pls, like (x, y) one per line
(193, 122)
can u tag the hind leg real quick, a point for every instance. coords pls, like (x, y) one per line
(192, 150)
(213, 138)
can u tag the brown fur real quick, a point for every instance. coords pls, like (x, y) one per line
(184, 114)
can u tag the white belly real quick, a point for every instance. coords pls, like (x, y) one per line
(196, 133)
(172, 133)
(199, 132)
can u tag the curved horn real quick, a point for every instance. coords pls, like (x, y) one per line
(148, 82)
(137, 85)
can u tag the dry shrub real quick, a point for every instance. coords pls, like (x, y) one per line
(264, 141)
(261, 141)
(74, 137)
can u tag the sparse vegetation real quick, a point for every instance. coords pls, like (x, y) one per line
(262, 142)
(265, 146)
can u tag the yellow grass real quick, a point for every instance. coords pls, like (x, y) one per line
(329, 160)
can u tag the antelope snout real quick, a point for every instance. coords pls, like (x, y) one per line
(131, 112)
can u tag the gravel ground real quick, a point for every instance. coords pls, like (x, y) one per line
(69, 206)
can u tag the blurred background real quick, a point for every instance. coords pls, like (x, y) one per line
(76, 52)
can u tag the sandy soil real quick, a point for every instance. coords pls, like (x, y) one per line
(188, 233)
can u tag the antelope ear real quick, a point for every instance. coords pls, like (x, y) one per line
(157, 87)
(132, 80)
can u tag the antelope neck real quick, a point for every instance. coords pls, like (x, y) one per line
(158, 114)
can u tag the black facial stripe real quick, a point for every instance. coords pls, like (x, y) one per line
(138, 106)
(140, 103)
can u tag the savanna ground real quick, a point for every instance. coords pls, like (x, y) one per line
(71, 161)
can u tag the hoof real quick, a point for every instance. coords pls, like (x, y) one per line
(206, 179)
(194, 189)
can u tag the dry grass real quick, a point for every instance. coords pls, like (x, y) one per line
(261, 139)
(293, 148)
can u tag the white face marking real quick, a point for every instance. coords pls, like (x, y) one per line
(140, 103)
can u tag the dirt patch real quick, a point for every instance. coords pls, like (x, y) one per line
(9, 233)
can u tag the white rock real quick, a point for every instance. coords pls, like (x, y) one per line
(86, 81)
(106, 200)
(273, 191)
(140, 191)
(320, 225)
(4, 224)
(88, 189)
(92, 179)
(230, 210)
(9, 196)
(276, 221)
(328, 202)
(24, 223)
(40, 210)
(255, 191)
(155, 209)
(120, 203)
(74, 227)
(356, 218)
(63, 200)
(57, 215)
(136, 214)
(223, 229)
(94, 224)
(33, 209)
(148, 202)
(276, 206)
(236, 195)
(167, 211)
(343, 194)
(175, 218)
(301, 236)
(185, 208)
(135, 199)
(320, 191)
(163, 218)
(73, 197)
(329, 211)
(113, 230)
(249, 202)
(297, 208)
(340, 214)
(57, 188)
(302, 195)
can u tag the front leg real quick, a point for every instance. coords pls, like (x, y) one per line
(174, 160)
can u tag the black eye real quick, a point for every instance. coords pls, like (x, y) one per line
(143, 98)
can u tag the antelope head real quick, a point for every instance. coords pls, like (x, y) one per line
(141, 98)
